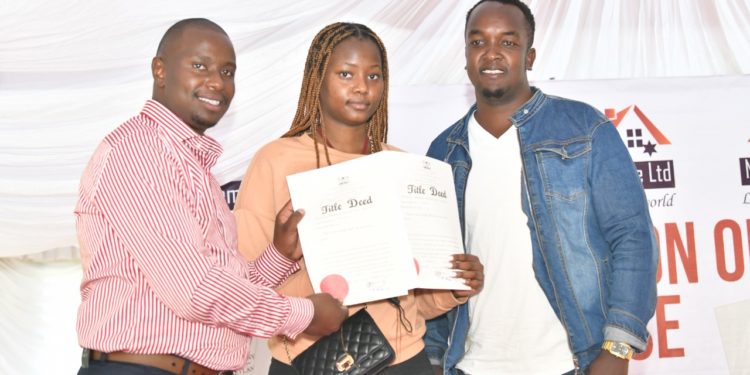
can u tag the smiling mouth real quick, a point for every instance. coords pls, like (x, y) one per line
(492, 71)
(213, 102)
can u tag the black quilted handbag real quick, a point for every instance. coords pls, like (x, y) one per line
(357, 348)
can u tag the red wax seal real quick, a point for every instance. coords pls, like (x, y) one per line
(335, 285)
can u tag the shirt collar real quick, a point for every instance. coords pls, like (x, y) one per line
(205, 148)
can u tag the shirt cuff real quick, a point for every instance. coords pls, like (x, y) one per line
(279, 266)
(459, 300)
(445, 300)
(301, 311)
(616, 334)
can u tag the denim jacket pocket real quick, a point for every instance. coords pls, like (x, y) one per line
(563, 166)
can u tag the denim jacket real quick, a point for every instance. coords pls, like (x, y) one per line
(594, 251)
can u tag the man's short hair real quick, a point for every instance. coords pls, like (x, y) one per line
(517, 3)
(180, 26)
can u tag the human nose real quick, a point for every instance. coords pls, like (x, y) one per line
(493, 51)
(360, 84)
(215, 81)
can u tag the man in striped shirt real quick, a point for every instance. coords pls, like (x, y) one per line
(164, 290)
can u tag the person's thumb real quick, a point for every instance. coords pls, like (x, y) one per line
(285, 212)
(295, 218)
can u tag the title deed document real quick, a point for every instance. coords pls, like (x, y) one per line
(377, 226)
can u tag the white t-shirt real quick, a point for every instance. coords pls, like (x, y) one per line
(513, 327)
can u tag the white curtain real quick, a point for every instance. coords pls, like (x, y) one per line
(71, 71)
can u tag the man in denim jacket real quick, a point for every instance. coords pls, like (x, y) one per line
(594, 252)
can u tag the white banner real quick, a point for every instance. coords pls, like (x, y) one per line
(690, 139)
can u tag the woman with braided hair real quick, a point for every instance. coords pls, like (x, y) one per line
(341, 115)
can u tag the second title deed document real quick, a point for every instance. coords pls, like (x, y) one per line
(379, 225)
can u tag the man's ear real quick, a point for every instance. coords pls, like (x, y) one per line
(158, 71)
(530, 58)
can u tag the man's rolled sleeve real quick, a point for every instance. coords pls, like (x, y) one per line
(617, 334)
(301, 311)
(272, 267)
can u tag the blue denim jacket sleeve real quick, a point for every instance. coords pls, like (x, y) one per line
(438, 329)
(621, 209)
(436, 339)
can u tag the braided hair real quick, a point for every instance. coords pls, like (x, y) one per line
(306, 119)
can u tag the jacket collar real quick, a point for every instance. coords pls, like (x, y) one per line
(528, 109)
(460, 132)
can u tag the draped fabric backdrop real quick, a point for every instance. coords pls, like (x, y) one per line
(71, 71)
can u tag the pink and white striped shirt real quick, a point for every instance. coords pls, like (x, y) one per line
(161, 271)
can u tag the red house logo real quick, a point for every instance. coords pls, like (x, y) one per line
(635, 136)
(640, 133)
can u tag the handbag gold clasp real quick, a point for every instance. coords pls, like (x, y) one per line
(345, 362)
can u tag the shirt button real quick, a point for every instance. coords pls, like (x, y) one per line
(525, 111)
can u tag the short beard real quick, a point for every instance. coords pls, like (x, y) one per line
(202, 123)
(493, 94)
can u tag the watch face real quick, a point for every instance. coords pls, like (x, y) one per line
(620, 349)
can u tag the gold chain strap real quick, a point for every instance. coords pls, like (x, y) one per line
(286, 348)
(343, 363)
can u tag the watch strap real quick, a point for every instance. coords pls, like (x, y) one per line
(619, 349)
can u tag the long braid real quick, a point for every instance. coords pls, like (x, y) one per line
(307, 116)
